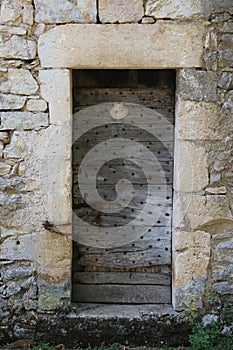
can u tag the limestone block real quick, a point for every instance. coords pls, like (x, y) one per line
(223, 287)
(19, 247)
(52, 142)
(222, 272)
(17, 47)
(148, 20)
(223, 6)
(36, 105)
(197, 211)
(55, 184)
(17, 10)
(226, 50)
(197, 85)
(165, 45)
(54, 255)
(12, 30)
(16, 148)
(11, 101)
(190, 167)
(5, 136)
(216, 190)
(113, 11)
(197, 120)
(4, 168)
(20, 81)
(191, 256)
(28, 13)
(224, 252)
(51, 149)
(178, 9)
(65, 11)
(52, 295)
(23, 120)
(59, 98)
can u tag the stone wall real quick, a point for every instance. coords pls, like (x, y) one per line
(196, 38)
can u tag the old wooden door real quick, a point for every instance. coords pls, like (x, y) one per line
(128, 267)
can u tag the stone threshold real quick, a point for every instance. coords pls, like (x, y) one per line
(129, 311)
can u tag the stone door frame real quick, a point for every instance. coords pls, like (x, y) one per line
(164, 45)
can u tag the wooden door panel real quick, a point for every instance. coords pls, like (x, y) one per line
(140, 271)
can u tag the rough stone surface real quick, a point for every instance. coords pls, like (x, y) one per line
(12, 30)
(216, 190)
(190, 166)
(198, 120)
(4, 136)
(223, 6)
(120, 11)
(95, 46)
(178, 9)
(17, 10)
(64, 11)
(8, 101)
(226, 50)
(197, 210)
(197, 85)
(19, 81)
(192, 250)
(23, 120)
(4, 168)
(59, 99)
(14, 46)
(148, 20)
(36, 105)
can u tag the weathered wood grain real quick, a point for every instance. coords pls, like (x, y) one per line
(144, 130)
(154, 237)
(125, 294)
(141, 195)
(122, 278)
(159, 255)
(149, 97)
(121, 218)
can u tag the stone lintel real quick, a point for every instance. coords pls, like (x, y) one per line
(132, 46)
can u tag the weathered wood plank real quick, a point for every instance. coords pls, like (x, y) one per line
(156, 255)
(148, 97)
(123, 217)
(125, 294)
(122, 278)
(123, 154)
(149, 269)
(140, 195)
(156, 237)
(158, 174)
(141, 132)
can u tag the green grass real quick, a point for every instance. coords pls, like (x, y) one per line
(210, 337)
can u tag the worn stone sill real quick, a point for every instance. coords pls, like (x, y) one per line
(130, 311)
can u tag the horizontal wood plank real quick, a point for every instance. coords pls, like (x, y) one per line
(125, 216)
(123, 294)
(148, 97)
(103, 128)
(157, 255)
(156, 237)
(140, 195)
(122, 278)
